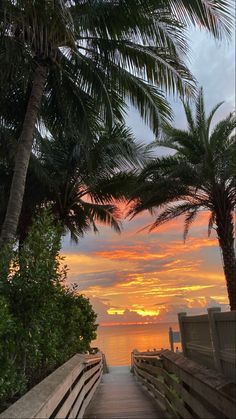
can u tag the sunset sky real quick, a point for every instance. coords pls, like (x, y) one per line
(141, 277)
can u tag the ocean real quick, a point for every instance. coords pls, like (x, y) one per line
(117, 342)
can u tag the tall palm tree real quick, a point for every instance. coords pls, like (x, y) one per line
(106, 51)
(200, 175)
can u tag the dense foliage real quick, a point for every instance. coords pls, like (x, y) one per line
(43, 322)
(81, 183)
(77, 63)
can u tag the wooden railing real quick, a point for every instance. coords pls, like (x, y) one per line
(210, 339)
(63, 394)
(184, 388)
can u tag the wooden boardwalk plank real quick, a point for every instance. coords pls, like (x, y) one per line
(120, 396)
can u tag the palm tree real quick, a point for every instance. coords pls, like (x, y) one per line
(200, 175)
(81, 184)
(103, 53)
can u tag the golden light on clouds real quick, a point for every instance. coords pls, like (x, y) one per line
(113, 310)
(138, 253)
(144, 312)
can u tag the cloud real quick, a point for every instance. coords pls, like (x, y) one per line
(109, 315)
(138, 252)
(192, 306)
(158, 298)
(163, 312)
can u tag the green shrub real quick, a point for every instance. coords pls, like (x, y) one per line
(43, 321)
(12, 381)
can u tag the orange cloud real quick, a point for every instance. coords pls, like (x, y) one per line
(191, 245)
(80, 263)
(145, 252)
(136, 253)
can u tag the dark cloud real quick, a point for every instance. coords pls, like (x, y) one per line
(100, 279)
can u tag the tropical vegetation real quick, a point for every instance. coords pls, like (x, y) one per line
(43, 320)
(200, 175)
(81, 185)
(83, 60)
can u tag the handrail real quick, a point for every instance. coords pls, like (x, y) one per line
(184, 388)
(92, 360)
(148, 357)
(64, 393)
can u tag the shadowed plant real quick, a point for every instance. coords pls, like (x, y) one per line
(43, 320)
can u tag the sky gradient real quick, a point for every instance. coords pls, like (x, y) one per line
(138, 277)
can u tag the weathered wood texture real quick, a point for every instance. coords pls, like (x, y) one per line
(186, 389)
(120, 396)
(64, 393)
(210, 339)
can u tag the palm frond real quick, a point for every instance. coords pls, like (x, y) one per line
(189, 116)
(215, 16)
(200, 116)
(174, 211)
(189, 219)
(103, 214)
(211, 115)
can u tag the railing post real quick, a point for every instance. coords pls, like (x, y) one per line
(181, 329)
(214, 337)
(104, 364)
(132, 362)
(171, 339)
(134, 351)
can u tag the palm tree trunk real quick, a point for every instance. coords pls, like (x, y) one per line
(22, 156)
(225, 231)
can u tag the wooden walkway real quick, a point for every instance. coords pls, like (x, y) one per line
(119, 395)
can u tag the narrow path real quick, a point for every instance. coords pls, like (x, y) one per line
(120, 396)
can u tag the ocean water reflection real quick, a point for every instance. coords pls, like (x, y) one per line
(117, 342)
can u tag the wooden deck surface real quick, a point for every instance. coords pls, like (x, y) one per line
(119, 395)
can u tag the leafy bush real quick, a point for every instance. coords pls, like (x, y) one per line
(43, 322)
(12, 383)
